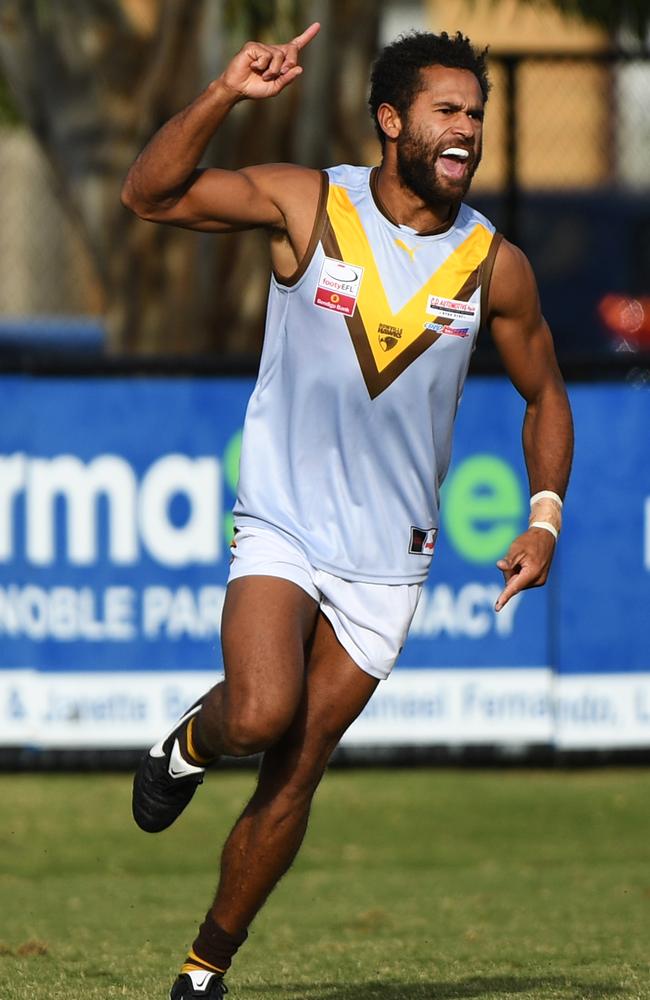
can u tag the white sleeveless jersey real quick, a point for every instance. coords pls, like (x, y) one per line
(348, 432)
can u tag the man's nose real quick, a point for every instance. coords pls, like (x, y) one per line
(464, 126)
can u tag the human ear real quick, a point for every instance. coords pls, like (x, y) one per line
(389, 121)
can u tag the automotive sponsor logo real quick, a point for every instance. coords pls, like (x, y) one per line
(423, 541)
(389, 336)
(338, 286)
(450, 308)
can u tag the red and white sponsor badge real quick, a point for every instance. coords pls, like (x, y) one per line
(338, 286)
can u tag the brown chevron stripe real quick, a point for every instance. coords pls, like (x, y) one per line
(470, 285)
(375, 380)
(486, 276)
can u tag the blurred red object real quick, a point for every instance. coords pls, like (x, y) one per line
(627, 319)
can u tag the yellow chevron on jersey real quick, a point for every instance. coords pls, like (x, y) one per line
(348, 432)
(446, 282)
(455, 278)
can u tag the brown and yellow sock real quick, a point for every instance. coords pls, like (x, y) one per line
(195, 964)
(213, 949)
(192, 749)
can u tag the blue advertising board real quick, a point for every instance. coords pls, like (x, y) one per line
(116, 523)
(115, 499)
(602, 614)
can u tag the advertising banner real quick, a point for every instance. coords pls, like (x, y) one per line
(115, 500)
(602, 613)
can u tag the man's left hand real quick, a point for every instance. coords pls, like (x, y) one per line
(526, 563)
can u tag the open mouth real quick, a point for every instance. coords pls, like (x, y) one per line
(454, 162)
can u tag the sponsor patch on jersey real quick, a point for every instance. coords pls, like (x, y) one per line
(456, 331)
(450, 331)
(338, 286)
(423, 541)
(450, 308)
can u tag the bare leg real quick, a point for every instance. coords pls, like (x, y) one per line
(266, 624)
(267, 836)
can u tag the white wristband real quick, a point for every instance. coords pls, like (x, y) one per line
(546, 525)
(546, 495)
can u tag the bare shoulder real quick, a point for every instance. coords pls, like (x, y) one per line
(294, 189)
(283, 173)
(513, 288)
(295, 192)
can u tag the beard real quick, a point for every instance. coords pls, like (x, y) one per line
(416, 167)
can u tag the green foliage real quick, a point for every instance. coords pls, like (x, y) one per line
(265, 20)
(412, 885)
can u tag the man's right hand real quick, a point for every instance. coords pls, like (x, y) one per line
(259, 71)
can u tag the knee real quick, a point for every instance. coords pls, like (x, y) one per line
(253, 729)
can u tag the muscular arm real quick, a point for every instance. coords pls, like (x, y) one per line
(524, 342)
(166, 185)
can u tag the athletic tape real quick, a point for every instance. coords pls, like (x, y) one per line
(546, 495)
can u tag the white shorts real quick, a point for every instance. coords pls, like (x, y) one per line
(370, 620)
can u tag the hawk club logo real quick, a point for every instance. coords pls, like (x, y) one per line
(389, 336)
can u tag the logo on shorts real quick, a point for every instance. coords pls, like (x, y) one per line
(423, 541)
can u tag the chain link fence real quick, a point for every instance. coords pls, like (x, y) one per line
(568, 137)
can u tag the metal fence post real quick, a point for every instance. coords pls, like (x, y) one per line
(511, 214)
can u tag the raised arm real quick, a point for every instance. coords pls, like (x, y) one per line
(165, 185)
(525, 345)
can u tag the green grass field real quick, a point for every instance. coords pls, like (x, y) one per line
(412, 884)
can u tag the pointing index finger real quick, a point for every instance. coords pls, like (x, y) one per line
(505, 595)
(301, 40)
